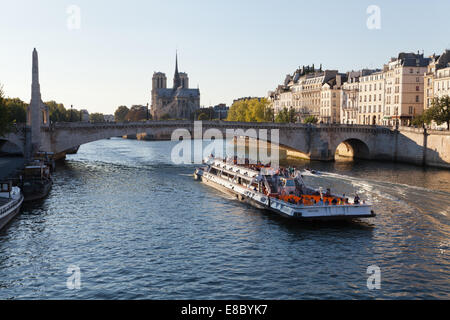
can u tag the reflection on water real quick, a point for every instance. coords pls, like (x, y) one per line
(139, 227)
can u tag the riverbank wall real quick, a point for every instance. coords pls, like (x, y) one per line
(422, 147)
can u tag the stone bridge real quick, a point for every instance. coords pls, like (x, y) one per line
(315, 142)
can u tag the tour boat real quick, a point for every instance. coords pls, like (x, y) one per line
(11, 200)
(280, 191)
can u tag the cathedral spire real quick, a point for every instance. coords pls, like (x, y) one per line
(176, 78)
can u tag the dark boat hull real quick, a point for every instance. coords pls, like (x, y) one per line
(37, 190)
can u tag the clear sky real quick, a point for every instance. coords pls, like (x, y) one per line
(229, 48)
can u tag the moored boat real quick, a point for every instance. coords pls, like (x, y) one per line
(280, 191)
(37, 181)
(11, 200)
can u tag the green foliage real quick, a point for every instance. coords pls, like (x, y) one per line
(286, 115)
(420, 120)
(250, 110)
(203, 116)
(11, 111)
(165, 117)
(96, 117)
(137, 113)
(17, 110)
(207, 112)
(58, 113)
(311, 120)
(121, 114)
(4, 116)
(439, 111)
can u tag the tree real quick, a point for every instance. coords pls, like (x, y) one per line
(203, 116)
(208, 112)
(57, 112)
(292, 115)
(440, 111)
(286, 115)
(17, 110)
(165, 117)
(137, 113)
(311, 120)
(96, 117)
(250, 110)
(121, 113)
(4, 116)
(282, 116)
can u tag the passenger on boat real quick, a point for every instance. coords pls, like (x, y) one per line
(334, 202)
(356, 200)
(328, 193)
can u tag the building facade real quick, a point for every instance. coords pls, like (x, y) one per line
(330, 100)
(350, 96)
(178, 102)
(302, 92)
(404, 88)
(437, 78)
(371, 99)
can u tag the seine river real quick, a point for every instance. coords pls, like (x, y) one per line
(139, 227)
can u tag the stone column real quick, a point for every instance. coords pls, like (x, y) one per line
(34, 110)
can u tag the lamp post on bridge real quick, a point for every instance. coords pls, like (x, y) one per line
(71, 113)
(147, 113)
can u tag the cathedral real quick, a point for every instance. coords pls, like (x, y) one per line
(178, 102)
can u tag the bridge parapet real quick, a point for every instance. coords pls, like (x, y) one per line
(210, 124)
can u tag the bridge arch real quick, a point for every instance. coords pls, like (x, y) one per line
(11, 147)
(353, 148)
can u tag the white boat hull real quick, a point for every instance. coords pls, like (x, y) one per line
(9, 212)
(299, 212)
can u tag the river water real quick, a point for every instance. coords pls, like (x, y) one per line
(139, 227)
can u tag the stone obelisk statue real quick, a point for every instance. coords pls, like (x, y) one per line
(34, 111)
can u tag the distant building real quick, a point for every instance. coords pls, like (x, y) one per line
(221, 111)
(84, 115)
(350, 96)
(108, 117)
(179, 102)
(437, 80)
(330, 102)
(302, 91)
(404, 87)
(371, 101)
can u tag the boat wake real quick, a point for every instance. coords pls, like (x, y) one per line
(403, 195)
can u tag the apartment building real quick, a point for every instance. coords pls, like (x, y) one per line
(301, 91)
(404, 88)
(350, 96)
(371, 99)
(437, 78)
(330, 100)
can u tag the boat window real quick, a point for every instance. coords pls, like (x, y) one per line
(290, 183)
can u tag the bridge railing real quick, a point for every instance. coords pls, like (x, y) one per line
(218, 124)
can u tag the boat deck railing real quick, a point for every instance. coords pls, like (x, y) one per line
(8, 206)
